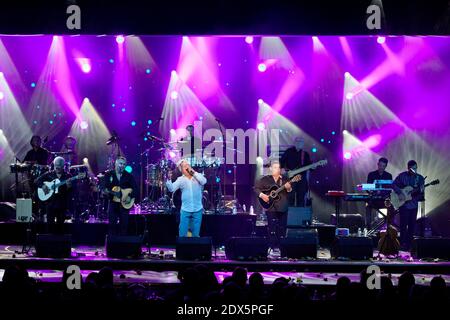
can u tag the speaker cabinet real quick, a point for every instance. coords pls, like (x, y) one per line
(247, 248)
(123, 246)
(53, 246)
(194, 248)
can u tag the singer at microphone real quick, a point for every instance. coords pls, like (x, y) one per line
(191, 184)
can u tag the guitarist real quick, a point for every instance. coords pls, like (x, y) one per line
(56, 206)
(408, 211)
(277, 215)
(293, 158)
(119, 178)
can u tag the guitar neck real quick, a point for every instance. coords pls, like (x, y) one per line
(302, 169)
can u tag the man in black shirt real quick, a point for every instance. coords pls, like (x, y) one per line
(379, 174)
(277, 215)
(56, 206)
(37, 155)
(189, 145)
(119, 178)
(293, 158)
(408, 211)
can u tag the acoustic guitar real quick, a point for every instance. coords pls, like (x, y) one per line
(274, 193)
(397, 200)
(121, 195)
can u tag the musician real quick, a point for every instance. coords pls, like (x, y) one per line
(191, 184)
(379, 174)
(189, 144)
(119, 178)
(69, 151)
(293, 158)
(408, 211)
(38, 154)
(56, 206)
(277, 215)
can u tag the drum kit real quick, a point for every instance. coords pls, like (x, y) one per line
(156, 197)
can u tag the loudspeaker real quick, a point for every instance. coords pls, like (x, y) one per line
(356, 248)
(194, 248)
(299, 243)
(431, 248)
(23, 210)
(53, 246)
(247, 248)
(123, 246)
(351, 221)
(299, 216)
(7, 211)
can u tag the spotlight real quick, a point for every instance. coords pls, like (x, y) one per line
(1, 131)
(344, 132)
(174, 95)
(85, 160)
(349, 96)
(259, 160)
(174, 73)
(129, 169)
(120, 39)
(86, 100)
(261, 126)
(133, 123)
(86, 67)
(347, 155)
(173, 132)
(33, 84)
(381, 39)
(260, 101)
(249, 39)
(1, 74)
(2, 95)
(149, 121)
(147, 71)
(314, 150)
(347, 75)
(84, 125)
(262, 67)
(111, 60)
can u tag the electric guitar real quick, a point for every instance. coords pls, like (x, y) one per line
(274, 193)
(53, 186)
(397, 200)
(314, 165)
(121, 195)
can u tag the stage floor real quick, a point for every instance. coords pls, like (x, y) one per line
(94, 258)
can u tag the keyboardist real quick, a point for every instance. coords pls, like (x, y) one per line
(379, 174)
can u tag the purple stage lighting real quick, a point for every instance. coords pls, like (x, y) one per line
(174, 95)
(120, 39)
(349, 96)
(2, 95)
(381, 39)
(262, 67)
(347, 155)
(86, 67)
(84, 125)
(249, 39)
(261, 126)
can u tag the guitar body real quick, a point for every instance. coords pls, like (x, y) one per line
(45, 196)
(272, 198)
(122, 200)
(397, 200)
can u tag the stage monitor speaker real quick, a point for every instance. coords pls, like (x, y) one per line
(355, 248)
(123, 246)
(23, 210)
(53, 246)
(7, 211)
(247, 248)
(433, 248)
(299, 243)
(194, 248)
(299, 217)
(351, 221)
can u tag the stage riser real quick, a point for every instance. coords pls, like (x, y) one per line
(162, 228)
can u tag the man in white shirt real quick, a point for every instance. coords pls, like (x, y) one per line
(191, 184)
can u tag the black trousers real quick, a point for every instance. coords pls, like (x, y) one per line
(55, 219)
(117, 219)
(408, 218)
(276, 226)
(297, 195)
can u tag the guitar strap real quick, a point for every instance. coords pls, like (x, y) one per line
(302, 158)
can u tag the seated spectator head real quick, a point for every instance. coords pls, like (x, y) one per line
(240, 276)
